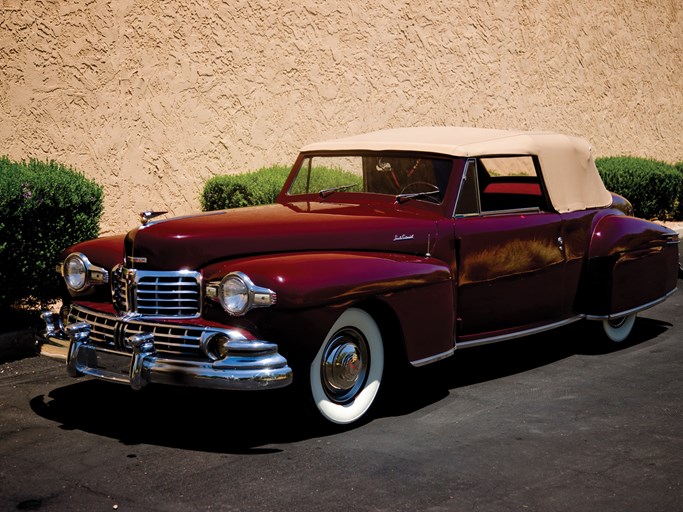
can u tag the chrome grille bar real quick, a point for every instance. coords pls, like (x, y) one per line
(160, 294)
(111, 332)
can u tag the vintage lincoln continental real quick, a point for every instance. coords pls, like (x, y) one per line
(433, 239)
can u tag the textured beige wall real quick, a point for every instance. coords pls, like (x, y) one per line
(151, 98)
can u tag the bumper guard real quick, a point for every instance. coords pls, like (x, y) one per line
(249, 365)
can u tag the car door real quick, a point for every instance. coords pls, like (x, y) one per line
(509, 250)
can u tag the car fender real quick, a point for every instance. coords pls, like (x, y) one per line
(105, 252)
(632, 264)
(415, 292)
(303, 280)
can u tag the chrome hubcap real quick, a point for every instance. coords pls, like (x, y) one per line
(344, 365)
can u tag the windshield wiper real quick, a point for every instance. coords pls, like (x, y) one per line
(401, 198)
(329, 191)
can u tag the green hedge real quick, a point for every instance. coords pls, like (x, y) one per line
(653, 187)
(238, 190)
(259, 187)
(679, 213)
(44, 208)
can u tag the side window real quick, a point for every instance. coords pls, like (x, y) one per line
(502, 184)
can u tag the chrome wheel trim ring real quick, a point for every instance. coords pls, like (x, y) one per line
(618, 322)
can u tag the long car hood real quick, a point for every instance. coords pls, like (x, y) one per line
(196, 241)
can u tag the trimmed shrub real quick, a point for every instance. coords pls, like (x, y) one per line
(679, 213)
(238, 190)
(262, 187)
(44, 208)
(322, 178)
(653, 187)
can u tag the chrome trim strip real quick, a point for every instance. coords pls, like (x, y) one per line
(511, 211)
(519, 334)
(621, 314)
(433, 359)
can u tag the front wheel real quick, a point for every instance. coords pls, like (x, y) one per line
(618, 330)
(347, 370)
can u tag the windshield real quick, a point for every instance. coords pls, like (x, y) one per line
(404, 176)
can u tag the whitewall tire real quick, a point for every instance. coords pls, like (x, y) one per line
(347, 371)
(619, 329)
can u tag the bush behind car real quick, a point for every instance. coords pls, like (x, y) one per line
(259, 187)
(239, 190)
(679, 213)
(654, 188)
(44, 208)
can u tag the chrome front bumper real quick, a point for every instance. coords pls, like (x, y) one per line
(249, 365)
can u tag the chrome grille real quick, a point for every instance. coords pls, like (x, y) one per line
(169, 339)
(157, 294)
(118, 289)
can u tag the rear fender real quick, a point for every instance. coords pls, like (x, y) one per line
(632, 264)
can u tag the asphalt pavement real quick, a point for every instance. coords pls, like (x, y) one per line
(554, 422)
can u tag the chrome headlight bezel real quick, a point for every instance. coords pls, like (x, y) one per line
(238, 295)
(88, 273)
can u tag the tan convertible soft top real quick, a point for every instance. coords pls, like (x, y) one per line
(567, 164)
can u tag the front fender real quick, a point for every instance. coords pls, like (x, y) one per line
(312, 279)
(314, 288)
(105, 251)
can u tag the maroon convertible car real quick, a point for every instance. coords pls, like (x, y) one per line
(399, 245)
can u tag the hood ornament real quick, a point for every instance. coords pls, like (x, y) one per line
(145, 217)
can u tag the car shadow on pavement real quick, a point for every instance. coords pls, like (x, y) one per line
(250, 423)
(475, 365)
(186, 418)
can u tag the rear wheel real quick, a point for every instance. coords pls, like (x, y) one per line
(347, 370)
(618, 330)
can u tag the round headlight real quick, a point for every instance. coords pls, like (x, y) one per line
(234, 294)
(75, 272)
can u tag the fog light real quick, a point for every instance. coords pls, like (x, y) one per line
(217, 346)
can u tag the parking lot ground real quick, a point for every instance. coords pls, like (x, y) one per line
(553, 422)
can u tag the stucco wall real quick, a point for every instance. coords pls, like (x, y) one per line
(152, 98)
